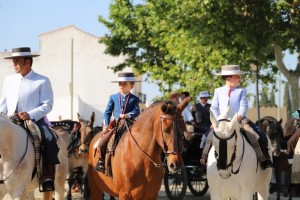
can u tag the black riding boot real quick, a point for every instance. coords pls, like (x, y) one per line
(48, 177)
(264, 148)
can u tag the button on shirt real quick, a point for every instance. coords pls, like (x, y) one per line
(32, 94)
(237, 101)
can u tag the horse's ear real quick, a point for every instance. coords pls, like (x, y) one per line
(79, 118)
(234, 121)
(92, 117)
(184, 103)
(213, 120)
(164, 108)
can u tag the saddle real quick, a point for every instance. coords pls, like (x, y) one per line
(109, 141)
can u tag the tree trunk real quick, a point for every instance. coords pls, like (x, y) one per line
(291, 75)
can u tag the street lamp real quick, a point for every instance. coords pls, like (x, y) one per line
(255, 72)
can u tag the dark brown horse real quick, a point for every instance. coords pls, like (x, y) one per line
(271, 127)
(137, 169)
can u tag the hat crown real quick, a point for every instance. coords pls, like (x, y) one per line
(126, 77)
(204, 94)
(228, 70)
(21, 49)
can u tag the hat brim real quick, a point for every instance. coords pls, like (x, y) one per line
(125, 81)
(229, 73)
(11, 57)
(204, 96)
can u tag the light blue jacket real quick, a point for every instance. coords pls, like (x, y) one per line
(237, 101)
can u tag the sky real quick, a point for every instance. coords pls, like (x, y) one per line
(22, 21)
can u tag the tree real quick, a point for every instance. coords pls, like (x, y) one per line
(287, 100)
(183, 42)
(264, 102)
(272, 100)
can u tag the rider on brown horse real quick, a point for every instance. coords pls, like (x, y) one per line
(122, 105)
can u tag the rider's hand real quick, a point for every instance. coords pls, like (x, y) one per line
(104, 129)
(123, 116)
(239, 117)
(24, 115)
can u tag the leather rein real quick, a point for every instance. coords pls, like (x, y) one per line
(165, 149)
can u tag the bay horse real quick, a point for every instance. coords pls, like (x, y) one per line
(137, 169)
(17, 162)
(233, 171)
(273, 129)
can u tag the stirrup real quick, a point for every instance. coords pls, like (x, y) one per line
(100, 166)
(47, 185)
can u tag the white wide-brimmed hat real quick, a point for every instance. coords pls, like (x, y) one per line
(21, 52)
(126, 77)
(204, 94)
(228, 70)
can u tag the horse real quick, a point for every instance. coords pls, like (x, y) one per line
(137, 168)
(233, 170)
(17, 162)
(81, 132)
(273, 129)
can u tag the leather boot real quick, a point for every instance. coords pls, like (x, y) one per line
(48, 177)
(100, 166)
(264, 148)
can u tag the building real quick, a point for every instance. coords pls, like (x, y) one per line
(77, 66)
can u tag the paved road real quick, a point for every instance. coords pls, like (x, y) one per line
(162, 196)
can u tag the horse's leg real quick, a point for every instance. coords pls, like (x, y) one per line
(30, 195)
(96, 193)
(86, 187)
(70, 183)
(48, 195)
(278, 182)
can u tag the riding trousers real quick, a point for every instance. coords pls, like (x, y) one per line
(50, 148)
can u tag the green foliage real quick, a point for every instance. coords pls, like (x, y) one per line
(183, 42)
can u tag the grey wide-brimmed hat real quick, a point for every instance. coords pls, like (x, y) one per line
(228, 70)
(126, 77)
(21, 52)
(204, 94)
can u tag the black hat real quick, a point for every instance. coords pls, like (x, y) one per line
(126, 77)
(21, 52)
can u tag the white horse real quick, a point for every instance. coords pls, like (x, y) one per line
(233, 171)
(17, 162)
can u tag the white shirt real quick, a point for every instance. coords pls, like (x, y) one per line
(187, 115)
(32, 94)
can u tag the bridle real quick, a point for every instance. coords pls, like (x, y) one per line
(84, 137)
(175, 118)
(222, 158)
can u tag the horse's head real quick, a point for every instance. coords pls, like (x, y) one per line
(291, 127)
(273, 129)
(170, 133)
(86, 133)
(226, 133)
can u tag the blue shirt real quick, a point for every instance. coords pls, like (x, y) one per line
(237, 101)
(121, 104)
(32, 94)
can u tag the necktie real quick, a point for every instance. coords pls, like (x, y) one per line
(229, 91)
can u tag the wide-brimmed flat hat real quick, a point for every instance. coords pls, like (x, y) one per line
(126, 77)
(296, 114)
(228, 70)
(21, 52)
(204, 94)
